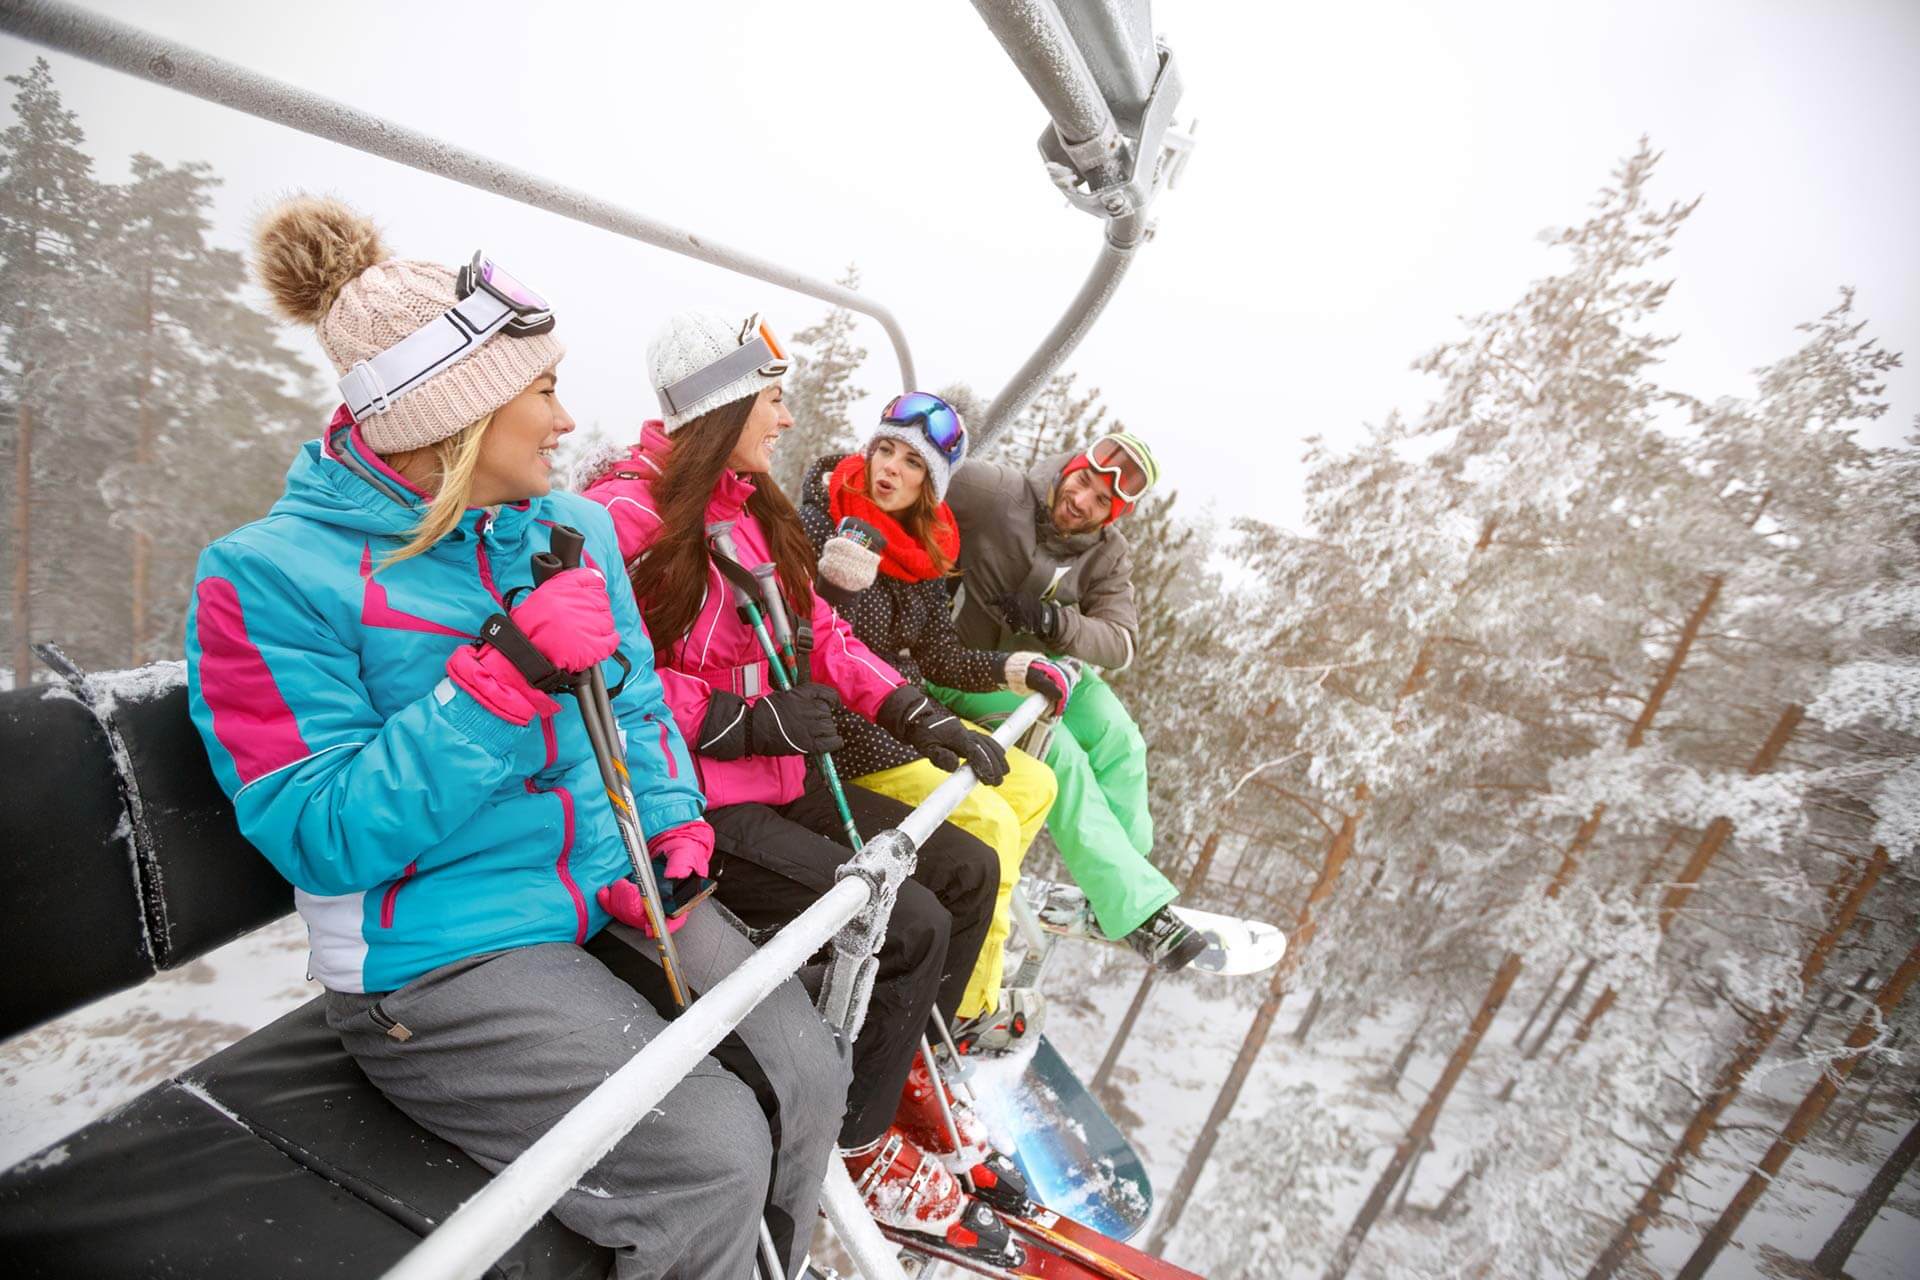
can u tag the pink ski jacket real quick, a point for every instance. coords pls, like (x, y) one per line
(720, 651)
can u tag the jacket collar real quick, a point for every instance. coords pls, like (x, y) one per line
(730, 491)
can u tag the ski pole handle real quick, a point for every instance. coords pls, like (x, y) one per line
(568, 542)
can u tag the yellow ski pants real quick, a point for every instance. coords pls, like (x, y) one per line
(1006, 818)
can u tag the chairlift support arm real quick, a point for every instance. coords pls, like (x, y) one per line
(122, 47)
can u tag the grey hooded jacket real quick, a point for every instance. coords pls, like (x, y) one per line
(1008, 543)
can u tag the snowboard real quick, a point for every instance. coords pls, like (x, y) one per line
(1235, 946)
(1075, 1159)
(1057, 1248)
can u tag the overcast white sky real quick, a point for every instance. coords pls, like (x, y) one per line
(1367, 172)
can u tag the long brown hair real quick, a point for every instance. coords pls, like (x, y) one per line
(918, 520)
(670, 577)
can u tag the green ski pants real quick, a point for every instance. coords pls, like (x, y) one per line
(1100, 820)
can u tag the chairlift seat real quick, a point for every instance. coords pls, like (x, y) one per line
(274, 1157)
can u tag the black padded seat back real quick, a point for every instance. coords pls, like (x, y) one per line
(71, 924)
(206, 883)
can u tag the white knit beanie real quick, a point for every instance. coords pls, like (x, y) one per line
(688, 343)
(324, 265)
(939, 470)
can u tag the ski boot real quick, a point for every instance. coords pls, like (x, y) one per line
(1008, 1029)
(1167, 942)
(911, 1191)
(996, 1179)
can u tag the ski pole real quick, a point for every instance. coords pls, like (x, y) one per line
(775, 609)
(721, 534)
(596, 715)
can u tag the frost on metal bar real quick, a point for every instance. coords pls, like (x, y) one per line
(177, 66)
(887, 860)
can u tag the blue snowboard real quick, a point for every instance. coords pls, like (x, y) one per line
(1076, 1160)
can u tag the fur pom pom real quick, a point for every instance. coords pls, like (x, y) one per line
(308, 248)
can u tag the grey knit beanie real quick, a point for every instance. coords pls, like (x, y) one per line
(939, 470)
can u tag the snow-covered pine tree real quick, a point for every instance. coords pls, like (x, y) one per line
(49, 230)
(214, 405)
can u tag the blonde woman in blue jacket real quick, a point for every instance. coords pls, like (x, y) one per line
(440, 818)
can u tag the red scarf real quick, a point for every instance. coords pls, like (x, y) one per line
(904, 558)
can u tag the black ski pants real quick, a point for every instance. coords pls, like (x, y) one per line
(774, 861)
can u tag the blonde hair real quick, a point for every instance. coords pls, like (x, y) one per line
(457, 456)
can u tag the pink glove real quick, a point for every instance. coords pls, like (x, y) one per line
(490, 676)
(688, 849)
(1035, 673)
(623, 901)
(568, 618)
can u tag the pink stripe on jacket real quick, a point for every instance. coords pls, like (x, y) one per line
(718, 649)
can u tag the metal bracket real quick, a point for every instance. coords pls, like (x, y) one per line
(1149, 165)
(887, 859)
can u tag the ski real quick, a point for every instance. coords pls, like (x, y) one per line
(1056, 1248)
(1073, 1156)
(1235, 946)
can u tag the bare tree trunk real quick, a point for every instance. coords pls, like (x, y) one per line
(1811, 1108)
(1196, 879)
(1833, 1255)
(1546, 994)
(1865, 1104)
(1338, 851)
(1510, 965)
(23, 548)
(1714, 839)
(1560, 1010)
(1305, 1024)
(1398, 1071)
(1831, 1001)
(142, 550)
(1406, 1183)
(1732, 1077)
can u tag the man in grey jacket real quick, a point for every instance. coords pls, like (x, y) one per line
(1043, 566)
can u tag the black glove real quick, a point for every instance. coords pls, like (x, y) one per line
(941, 736)
(785, 722)
(1028, 615)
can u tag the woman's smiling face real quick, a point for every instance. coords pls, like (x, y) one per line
(516, 457)
(753, 451)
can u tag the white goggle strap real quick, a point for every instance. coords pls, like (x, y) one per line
(371, 386)
(730, 367)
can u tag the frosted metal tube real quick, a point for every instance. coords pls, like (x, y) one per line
(127, 48)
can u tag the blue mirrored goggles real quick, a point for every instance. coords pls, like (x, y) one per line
(938, 421)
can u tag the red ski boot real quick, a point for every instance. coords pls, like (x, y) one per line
(995, 1178)
(909, 1190)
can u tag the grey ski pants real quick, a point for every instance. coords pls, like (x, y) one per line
(498, 1047)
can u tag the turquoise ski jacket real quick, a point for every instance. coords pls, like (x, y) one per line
(416, 826)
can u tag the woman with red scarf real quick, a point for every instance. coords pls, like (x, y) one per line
(897, 485)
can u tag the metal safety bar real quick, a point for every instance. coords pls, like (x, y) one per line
(124, 47)
(483, 1228)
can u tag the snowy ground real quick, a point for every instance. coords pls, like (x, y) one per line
(63, 1074)
(1172, 1067)
(60, 1075)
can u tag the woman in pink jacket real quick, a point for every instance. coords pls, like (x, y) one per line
(778, 836)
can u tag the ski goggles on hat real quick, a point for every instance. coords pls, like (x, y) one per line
(759, 352)
(1132, 474)
(490, 301)
(938, 421)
